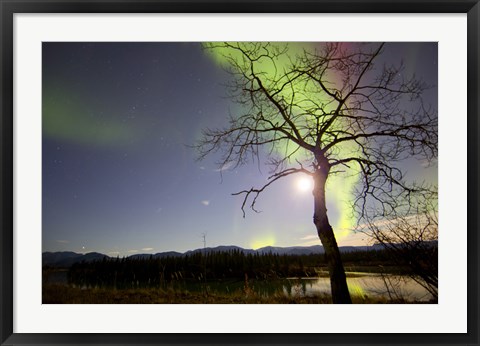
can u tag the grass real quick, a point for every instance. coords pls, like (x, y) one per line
(62, 294)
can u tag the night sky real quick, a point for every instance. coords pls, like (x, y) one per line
(119, 175)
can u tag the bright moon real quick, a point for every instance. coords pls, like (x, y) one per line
(305, 184)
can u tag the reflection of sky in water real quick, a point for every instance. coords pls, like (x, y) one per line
(399, 287)
(366, 285)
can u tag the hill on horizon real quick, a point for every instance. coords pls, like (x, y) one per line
(68, 258)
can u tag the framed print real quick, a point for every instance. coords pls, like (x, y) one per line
(239, 173)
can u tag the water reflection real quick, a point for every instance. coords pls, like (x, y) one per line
(393, 287)
(363, 285)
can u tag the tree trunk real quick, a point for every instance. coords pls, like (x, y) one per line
(338, 279)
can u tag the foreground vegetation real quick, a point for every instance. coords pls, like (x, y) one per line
(62, 294)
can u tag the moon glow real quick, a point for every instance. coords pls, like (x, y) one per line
(304, 184)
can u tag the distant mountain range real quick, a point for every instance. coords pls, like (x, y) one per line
(67, 258)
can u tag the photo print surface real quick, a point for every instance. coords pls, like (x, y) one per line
(239, 172)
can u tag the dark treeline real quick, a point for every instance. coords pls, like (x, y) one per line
(156, 272)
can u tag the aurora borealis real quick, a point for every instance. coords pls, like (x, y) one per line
(120, 177)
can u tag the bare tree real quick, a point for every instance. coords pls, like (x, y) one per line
(323, 112)
(410, 235)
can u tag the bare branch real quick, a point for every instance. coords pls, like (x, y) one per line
(366, 119)
(256, 192)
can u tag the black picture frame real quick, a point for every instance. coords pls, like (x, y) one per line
(10, 7)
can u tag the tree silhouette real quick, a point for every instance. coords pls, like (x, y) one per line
(410, 236)
(323, 112)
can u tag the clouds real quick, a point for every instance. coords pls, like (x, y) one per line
(61, 241)
(205, 202)
(308, 240)
(224, 167)
(309, 237)
(130, 252)
(349, 239)
(145, 249)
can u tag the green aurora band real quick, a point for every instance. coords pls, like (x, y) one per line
(66, 118)
(340, 187)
